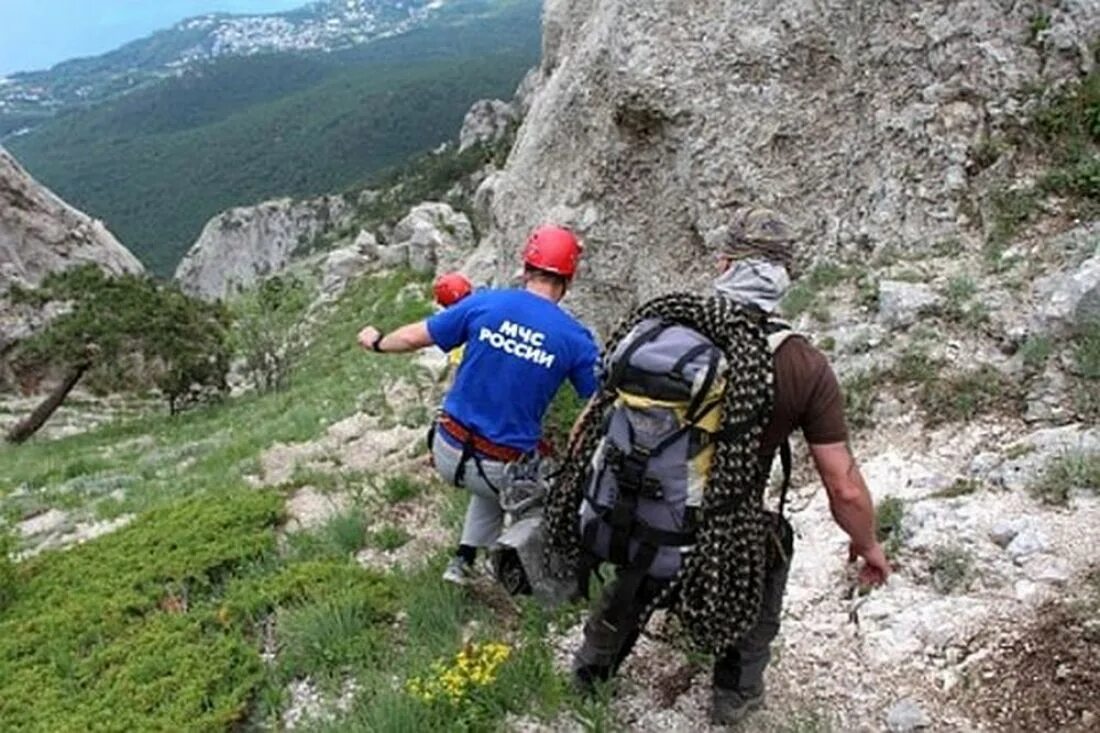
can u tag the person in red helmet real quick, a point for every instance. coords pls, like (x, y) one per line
(520, 346)
(450, 288)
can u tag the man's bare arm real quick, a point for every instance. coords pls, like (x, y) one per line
(407, 338)
(851, 505)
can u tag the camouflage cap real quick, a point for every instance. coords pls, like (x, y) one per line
(756, 232)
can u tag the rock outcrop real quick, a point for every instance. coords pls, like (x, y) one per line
(652, 120)
(431, 238)
(245, 244)
(487, 122)
(40, 233)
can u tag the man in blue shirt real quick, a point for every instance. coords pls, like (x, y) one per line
(520, 345)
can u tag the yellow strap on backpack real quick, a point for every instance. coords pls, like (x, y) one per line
(710, 422)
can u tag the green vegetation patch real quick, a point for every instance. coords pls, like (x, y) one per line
(951, 568)
(807, 294)
(121, 633)
(889, 515)
(1065, 135)
(1071, 471)
(214, 448)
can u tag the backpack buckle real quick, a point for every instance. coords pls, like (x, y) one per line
(630, 473)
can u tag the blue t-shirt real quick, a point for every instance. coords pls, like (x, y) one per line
(520, 347)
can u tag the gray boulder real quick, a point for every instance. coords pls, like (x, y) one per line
(487, 122)
(906, 716)
(366, 243)
(1069, 299)
(437, 237)
(341, 268)
(1028, 542)
(900, 304)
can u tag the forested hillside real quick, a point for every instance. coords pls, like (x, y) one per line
(156, 164)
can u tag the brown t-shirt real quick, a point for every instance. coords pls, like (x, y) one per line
(807, 397)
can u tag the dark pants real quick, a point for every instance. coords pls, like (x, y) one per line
(615, 624)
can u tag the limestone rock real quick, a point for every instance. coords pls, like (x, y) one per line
(901, 303)
(341, 268)
(487, 122)
(243, 245)
(527, 89)
(366, 243)
(1028, 542)
(437, 237)
(1070, 299)
(53, 521)
(1030, 456)
(670, 116)
(41, 234)
(1003, 532)
(905, 716)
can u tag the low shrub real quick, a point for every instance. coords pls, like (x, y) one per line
(951, 568)
(1080, 471)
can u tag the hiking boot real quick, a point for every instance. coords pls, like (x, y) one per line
(729, 707)
(458, 571)
(588, 679)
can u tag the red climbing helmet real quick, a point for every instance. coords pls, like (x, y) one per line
(451, 287)
(553, 249)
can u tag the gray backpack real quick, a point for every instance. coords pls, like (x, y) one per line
(645, 481)
(644, 487)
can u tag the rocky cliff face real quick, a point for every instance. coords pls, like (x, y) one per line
(245, 244)
(40, 233)
(651, 120)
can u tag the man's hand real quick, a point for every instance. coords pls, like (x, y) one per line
(367, 337)
(876, 568)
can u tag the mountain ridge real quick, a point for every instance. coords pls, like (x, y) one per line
(315, 28)
(158, 163)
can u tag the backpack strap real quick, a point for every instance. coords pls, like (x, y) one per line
(785, 462)
(641, 340)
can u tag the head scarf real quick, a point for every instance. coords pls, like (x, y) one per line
(756, 282)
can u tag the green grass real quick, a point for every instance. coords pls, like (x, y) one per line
(1071, 471)
(390, 537)
(397, 489)
(966, 395)
(1064, 134)
(160, 625)
(1086, 351)
(1036, 351)
(805, 295)
(889, 517)
(859, 397)
(94, 636)
(951, 568)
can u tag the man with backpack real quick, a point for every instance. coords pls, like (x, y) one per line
(520, 345)
(663, 436)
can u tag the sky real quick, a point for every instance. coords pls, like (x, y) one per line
(36, 34)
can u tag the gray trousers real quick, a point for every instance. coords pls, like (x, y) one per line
(483, 478)
(612, 629)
